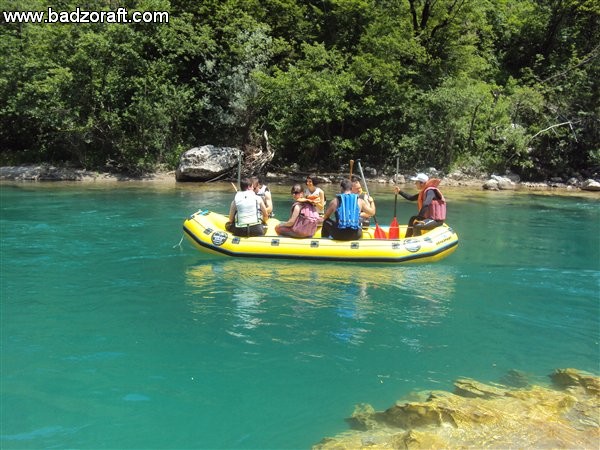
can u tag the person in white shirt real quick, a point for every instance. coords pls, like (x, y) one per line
(262, 190)
(247, 212)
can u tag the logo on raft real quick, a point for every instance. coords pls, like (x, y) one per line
(218, 238)
(412, 245)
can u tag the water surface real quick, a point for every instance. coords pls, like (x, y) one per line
(113, 336)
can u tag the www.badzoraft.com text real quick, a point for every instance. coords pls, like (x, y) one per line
(121, 15)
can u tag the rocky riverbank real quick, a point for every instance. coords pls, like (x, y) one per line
(564, 414)
(47, 172)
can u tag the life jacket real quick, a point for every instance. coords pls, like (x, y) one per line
(248, 211)
(307, 221)
(348, 212)
(437, 208)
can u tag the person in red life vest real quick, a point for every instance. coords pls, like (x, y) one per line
(431, 204)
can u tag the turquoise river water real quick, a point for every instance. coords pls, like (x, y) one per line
(115, 337)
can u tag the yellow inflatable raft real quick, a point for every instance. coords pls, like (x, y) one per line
(206, 231)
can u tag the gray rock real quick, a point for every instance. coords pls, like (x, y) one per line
(206, 163)
(497, 182)
(491, 185)
(590, 185)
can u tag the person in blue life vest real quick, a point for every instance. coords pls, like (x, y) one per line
(365, 218)
(431, 204)
(262, 190)
(347, 208)
(247, 212)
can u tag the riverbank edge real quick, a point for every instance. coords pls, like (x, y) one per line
(52, 173)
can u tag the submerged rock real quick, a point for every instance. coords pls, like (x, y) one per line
(479, 415)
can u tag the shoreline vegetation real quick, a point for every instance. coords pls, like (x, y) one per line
(56, 173)
(497, 84)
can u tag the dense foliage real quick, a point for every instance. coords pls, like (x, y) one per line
(491, 84)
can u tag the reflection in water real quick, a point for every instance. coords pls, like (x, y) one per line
(252, 295)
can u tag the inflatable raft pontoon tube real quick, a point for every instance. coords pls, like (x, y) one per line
(206, 231)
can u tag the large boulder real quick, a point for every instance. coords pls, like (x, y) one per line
(206, 163)
(590, 185)
(496, 183)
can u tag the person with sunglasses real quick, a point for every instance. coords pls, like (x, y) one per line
(304, 217)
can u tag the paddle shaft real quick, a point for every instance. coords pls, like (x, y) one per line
(379, 233)
(239, 170)
(351, 165)
(362, 175)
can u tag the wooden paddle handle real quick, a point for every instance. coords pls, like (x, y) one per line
(351, 165)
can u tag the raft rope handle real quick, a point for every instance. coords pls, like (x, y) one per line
(179, 245)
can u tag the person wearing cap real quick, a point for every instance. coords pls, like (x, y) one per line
(431, 204)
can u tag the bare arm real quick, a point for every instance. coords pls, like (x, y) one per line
(232, 210)
(268, 202)
(263, 210)
(321, 199)
(293, 217)
(330, 209)
(368, 207)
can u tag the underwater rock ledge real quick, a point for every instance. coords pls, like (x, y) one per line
(565, 414)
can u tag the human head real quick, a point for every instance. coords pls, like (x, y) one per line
(356, 186)
(257, 181)
(311, 179)
(297, 191)
(420, 178)
(245, 184)
(346, 185)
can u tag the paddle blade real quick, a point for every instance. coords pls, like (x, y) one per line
(379, 233)
(394, 232)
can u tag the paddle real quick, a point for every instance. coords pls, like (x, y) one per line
(351, 164)
(379, 233)
(394, 227)
(394, 232)
(239, 170)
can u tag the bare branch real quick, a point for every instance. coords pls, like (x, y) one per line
(551, 127)
(591, 55)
